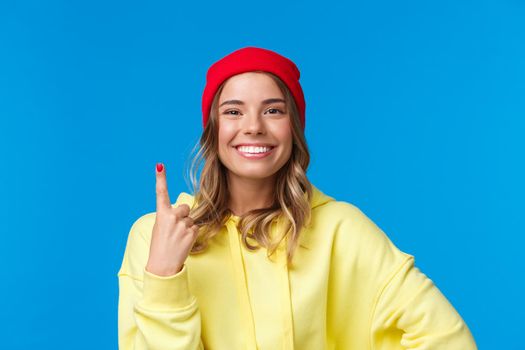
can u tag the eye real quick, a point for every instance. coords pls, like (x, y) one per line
(275, 109)
(231, 110)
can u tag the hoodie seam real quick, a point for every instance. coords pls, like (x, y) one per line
(136, 226)
(380, 293)
(130, 276)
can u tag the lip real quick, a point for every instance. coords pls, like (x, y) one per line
(254, 145)
(254, 155)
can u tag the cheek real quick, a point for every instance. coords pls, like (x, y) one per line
(283, 133)
(226, 134)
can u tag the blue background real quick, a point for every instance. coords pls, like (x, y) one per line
(415, 113)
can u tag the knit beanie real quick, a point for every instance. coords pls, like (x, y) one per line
(249, 59)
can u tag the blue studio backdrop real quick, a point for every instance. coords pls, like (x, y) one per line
(415, 114)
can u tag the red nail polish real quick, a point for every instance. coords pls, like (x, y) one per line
(160, 167)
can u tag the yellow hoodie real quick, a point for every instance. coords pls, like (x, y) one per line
(350, 288)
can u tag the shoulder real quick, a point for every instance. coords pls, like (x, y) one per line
(356, 236)
(342, 216)
(338, 210)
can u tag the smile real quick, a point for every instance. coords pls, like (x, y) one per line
(254, 152)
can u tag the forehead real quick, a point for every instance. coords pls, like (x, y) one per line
(250, 86)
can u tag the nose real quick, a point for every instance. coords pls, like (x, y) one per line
(253, 124)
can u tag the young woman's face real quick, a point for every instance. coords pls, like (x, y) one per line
(252, 111)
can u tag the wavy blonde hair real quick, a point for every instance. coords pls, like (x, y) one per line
(292, 197)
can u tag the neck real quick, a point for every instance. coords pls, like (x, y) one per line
(249, 194)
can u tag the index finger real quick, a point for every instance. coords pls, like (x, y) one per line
(161, 188)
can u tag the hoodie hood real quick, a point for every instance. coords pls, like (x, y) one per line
(319, 198)
(279, 275)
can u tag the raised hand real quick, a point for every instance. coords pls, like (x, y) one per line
(173, 232)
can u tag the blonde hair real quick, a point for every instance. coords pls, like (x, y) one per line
(293, 190)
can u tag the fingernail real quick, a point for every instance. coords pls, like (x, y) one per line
(160, 167)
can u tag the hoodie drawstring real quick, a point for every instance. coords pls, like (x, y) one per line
(286, 298)
(241, 284)
(242, 287)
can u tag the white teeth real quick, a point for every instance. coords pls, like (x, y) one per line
(251, 149)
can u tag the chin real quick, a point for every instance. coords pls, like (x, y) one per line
(253, 175)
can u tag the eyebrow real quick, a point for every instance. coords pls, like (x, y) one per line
(239, 102)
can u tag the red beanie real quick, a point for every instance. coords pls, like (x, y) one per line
(249, 59)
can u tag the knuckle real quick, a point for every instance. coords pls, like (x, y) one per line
(161, 190)
(160, 214)
(180, 225)
(173, 216)
(184, 208)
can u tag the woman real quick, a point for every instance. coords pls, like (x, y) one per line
(259, 258)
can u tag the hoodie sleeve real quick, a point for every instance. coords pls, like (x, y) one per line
(411, 308)
(393, 304)
(154, 312)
